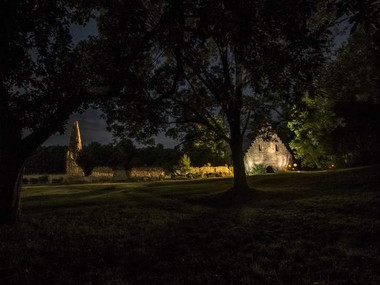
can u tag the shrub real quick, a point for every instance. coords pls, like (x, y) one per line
(259, 169)
(184, 164)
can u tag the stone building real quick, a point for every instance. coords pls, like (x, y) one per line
(75, 146)
(269, 152)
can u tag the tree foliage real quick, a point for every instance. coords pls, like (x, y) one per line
(124, 155)
(184, 164)
(203, 147)
(339, 124)
(313, 127)
(231, 63)
(43, 79)
(48, 160)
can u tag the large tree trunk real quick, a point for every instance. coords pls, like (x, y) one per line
(234, 120)
(11, 170)
(240, 178)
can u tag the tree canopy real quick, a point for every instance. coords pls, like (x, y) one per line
(234, 62)
(42, 81)
(339, 124)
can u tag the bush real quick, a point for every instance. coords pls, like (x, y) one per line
(184, 164)
(259, 169)
(25, 181)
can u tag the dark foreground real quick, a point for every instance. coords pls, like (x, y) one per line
(297, 228)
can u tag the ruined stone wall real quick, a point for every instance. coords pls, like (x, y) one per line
(101, 173)
(270, 152)
(146, 173)
(223, 170)
(75, 146)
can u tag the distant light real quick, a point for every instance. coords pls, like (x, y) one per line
(295, 164)
(289, 166)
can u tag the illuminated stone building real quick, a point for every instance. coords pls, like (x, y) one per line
(269, 152)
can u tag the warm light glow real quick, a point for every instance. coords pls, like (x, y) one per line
(295, 164)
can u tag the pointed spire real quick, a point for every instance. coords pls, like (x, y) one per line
(75, 146)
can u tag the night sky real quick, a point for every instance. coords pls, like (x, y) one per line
(93, 129)
(92, 126)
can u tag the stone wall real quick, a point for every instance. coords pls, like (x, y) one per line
(106, 174)
(268, 152)
(51, 178)
(119, 175)
(146, 173)
(100, 174)
(204, 170)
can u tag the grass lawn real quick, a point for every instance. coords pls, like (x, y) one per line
(295, 228)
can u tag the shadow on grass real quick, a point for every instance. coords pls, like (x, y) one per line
(163, 239)
(52, 202)
(78, 195)
(267, 191)
(251, 198)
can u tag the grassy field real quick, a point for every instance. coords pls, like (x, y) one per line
(294, 228)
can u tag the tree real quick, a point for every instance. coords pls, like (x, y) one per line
(156, 156)
(92, 155)
(124, 152)
(339, 124)
(41, 80)
(48, 160)
(240, 61)
(204, 148)
(358, 12)
(234, 61)
(313, 127)
(184, 164)
(44, 78)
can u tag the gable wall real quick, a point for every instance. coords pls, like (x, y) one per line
(265, 152)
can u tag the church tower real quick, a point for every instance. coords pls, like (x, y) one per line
(75, 146)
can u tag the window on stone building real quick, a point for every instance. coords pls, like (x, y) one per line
(276, 147)
(260, 149)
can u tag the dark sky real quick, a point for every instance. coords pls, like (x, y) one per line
(93, 127)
